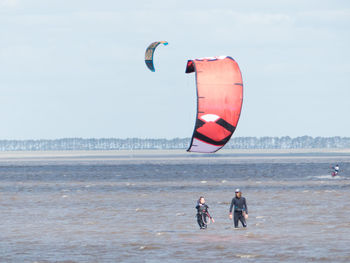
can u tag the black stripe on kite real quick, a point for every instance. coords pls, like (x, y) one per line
(226, 125)
(204, 138)
(199, 123)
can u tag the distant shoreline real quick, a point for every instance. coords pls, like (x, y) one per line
(125, 155)
(111, 144)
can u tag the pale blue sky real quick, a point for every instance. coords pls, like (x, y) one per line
(76, 68)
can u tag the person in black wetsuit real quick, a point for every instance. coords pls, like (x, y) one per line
(240, 209)
(202, 213)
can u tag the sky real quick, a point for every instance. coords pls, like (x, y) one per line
(76, 68)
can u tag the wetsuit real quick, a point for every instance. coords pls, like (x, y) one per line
(239, 205)
(202, 214)
(336, 170)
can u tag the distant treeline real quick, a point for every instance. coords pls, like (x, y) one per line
(304, 142)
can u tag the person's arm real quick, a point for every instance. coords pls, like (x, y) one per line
(245, 208)
(231, 206)
(206, 209)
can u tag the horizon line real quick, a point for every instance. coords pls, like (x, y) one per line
(168, 139)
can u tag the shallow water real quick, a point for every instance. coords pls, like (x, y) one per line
(142, 210)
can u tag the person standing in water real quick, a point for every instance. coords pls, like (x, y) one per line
(202, 213)
(336, 170)
(240, 209)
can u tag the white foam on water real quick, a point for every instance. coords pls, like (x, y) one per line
(327, 176)
(245, 255)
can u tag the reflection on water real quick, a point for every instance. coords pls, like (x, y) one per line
(144, 211)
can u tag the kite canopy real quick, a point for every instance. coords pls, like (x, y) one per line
(219, 102)
(149, 54)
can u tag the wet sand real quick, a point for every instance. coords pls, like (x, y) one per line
(143, 155)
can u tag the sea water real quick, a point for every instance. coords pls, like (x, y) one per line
(142, 209)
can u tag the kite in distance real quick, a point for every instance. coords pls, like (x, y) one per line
(149, 54)
(219, 102)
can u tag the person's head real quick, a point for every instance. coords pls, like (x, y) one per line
(238, 193)
(201, 200)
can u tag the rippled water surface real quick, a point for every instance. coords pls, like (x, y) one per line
(142, 209)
